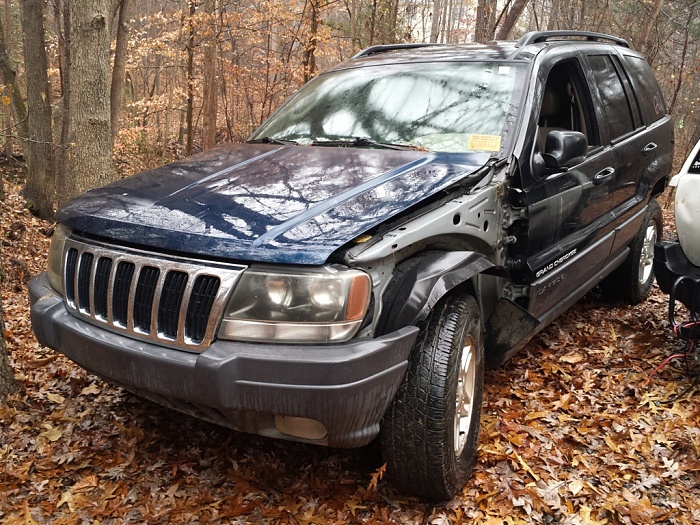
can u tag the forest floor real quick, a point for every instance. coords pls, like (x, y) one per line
(572, 433)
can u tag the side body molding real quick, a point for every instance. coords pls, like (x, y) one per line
(420, 282)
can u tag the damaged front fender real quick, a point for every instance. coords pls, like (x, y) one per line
(419, 283)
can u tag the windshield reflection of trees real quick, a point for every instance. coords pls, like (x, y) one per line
(398, 108)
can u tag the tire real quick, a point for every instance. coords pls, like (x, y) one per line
(632, 281)
(429, 444)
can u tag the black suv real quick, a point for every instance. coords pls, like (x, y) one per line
(404, 220)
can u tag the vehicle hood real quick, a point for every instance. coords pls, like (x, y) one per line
(265, 203)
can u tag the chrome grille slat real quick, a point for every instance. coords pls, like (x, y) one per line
(184, 304)
(164, 299)
(71, 261)
(156, 300)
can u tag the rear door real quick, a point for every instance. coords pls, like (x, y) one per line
(636, 128)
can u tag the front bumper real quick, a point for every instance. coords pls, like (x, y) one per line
(346, 387)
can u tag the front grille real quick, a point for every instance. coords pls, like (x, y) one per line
(169, 300)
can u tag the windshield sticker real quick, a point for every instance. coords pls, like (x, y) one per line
(484, 142)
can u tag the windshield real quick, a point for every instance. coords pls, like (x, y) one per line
(446, 106)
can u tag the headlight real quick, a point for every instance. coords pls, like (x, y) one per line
(55, 260)
(297, 306)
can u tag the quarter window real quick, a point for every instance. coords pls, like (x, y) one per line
(647, 88)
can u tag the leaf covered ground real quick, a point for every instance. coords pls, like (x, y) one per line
(572, 433)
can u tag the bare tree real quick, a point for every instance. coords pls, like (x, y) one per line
(119, 68)
(210, 82)
(646, 45)
(436, 20)
(89, 130)
(62, 24)
(485, 20)
(8, 383)
(510, 17)
(41, 173)
(309, 57)
(9, 78)
(190, 79)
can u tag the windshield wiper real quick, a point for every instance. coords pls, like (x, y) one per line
(273, 140)
(361, 142)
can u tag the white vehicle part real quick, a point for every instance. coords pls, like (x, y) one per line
(687, 206)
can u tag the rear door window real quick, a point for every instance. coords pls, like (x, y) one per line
(617, 104)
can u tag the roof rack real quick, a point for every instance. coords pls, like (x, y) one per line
(536, 37)
(373, 50)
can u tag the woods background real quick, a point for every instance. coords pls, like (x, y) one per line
(169, 77)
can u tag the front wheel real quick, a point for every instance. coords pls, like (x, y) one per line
(632, 281)
(430, 433)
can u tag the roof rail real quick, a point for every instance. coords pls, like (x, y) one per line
(373, 50)
(536, 37)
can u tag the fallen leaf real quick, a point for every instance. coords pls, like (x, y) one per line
(572, 358)
(87, 483)
(53, 434)
(56, 398)
(575, 487)
(92, 389)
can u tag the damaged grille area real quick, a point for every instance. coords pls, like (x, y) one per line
(163, 299)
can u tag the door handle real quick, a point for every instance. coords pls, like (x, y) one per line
(649, 148)
(603, 175)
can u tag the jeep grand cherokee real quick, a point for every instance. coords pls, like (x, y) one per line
(405, 219)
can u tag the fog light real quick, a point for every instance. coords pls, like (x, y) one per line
(300, 427)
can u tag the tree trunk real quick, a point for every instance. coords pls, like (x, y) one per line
(89, 131)
(485, 20)
(9, 78)
(8, 383)
(210, 83)
(61, 51)
(171, 90)
(9, 146)
(309, 60)
(684, 57)
(510, 19)
(62, 14)
(41, 182)
(119, 68)
(553, 22)
(435, 25)
(646, 45)
(190, 82)
(353, 26)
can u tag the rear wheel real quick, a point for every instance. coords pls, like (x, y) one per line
(429, 435)
(632, 281)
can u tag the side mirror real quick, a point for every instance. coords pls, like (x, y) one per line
(564, 149)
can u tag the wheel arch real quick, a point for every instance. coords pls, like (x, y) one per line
(420, 282)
